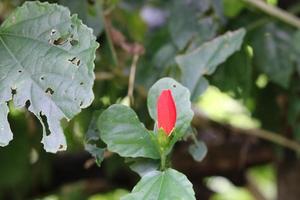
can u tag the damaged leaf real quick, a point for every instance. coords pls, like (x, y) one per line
(36, 45)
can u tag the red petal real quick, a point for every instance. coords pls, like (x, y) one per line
(166, 111)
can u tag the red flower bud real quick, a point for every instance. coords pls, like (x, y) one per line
(166, 112)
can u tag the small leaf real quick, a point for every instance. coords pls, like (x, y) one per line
(96, 152)
(182, 101)
(92, 139)
(124, 134)
(40, 65)
(207, 57)
(166, 185)
(198, 151)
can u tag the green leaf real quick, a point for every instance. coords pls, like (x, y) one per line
(233, 7)
(92, 139)
(206, 58)
(182, 101)
(124, 134)
(189, 24)
(166, 185)
(142, 166)
(198, 150)
(273, 53)
(96, 152)
(46, 62)
(90, 12)
(236, 74)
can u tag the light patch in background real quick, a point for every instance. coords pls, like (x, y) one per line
(262, 81)
(221, 107)
(225, 190)
(154, 17)
(115, 195)
(272, 2)
(264, 177)
(51, 197)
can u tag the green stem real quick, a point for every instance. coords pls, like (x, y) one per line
(275, 12)
(108, 37)
(162, 161)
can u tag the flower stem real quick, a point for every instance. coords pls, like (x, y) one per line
(162, 161)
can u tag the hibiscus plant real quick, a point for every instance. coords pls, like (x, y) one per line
(170, 107)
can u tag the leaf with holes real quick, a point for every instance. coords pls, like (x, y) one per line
(46, 62)
(167, 185)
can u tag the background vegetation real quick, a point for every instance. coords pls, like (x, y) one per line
(246, 100)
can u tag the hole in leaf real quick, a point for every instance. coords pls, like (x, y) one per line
(20, 71)
(60, 41)
(61, 146)
(92, 2)
(49, 91)
(81, 83)
(45, 122)
(81, 103)
(75, 61)
(27, 104)
(74, 42)
(53, 31)
(42, 78)
(174, 86)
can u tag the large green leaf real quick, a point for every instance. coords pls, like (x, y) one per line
(124, 134)
(166, 185)
(273, 53)
(207, 57)
(182, 100)
(189, 24)
(46, 62)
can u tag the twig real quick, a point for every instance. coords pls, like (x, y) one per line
(275, 12)
(276, 138)
(273, 137)
(101, 76)
(132, 78)
(107, 28)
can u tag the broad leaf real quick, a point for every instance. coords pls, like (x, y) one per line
(189, 24)
(124, 134)
(182, 101)
(274, 53)
(46, 62)
(207, 57)
(166, 185)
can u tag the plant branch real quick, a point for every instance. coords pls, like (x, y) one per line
(275, 12)
(259, 133)
(132, 78)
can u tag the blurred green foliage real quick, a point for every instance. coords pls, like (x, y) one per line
(261, 81)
